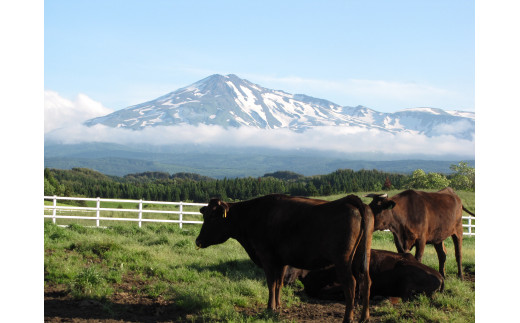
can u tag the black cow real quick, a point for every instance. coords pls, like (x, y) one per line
(279, 230)
(392, 275)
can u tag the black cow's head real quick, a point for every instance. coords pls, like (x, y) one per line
(381, 207)
(215, 228)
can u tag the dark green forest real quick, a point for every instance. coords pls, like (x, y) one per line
(161, 186)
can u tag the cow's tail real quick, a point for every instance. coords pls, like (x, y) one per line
(367, 223)
(368, 229)
(473, 214)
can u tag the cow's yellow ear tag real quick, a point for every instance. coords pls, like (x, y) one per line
(225, 213)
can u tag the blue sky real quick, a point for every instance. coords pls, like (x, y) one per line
(386, 55)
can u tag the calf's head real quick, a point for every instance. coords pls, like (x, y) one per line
(381, 206)
(216, 228)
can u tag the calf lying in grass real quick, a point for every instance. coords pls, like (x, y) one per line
(392, 274)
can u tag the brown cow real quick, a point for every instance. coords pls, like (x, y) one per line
(392, 275)
(418, 218)
(279, 230)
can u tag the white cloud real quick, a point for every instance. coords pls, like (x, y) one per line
(60, 112)
(454, 128)
(339, 139)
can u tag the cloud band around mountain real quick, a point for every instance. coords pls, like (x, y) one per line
(63, 123)
(326, 138)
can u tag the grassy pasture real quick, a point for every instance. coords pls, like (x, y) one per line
(160, 263)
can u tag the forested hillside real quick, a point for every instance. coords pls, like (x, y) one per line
(159, 186)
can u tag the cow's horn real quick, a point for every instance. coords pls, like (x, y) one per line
(376, 195)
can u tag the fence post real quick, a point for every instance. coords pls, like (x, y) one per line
(469, 222)
(54, 209)
(180, 215)
(140, 211)
(98, 204)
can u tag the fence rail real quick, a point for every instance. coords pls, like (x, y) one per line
(469, 227)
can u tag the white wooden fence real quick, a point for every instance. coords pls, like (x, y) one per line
(469, 227)
(98, 209)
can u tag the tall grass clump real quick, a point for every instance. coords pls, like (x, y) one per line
(90, 283)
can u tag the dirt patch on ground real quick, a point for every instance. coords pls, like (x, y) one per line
(313, 311)
(121, 307)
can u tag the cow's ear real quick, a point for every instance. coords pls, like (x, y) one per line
(202, 209)
(223, 206)
(390, 205)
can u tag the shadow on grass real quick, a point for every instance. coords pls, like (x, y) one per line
(234, 269)
(68, 310)
(58, 307)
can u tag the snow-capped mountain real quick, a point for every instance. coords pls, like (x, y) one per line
(230, 101)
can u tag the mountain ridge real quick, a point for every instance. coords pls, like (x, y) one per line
(230, 101)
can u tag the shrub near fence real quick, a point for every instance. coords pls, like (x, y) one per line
(142, 208)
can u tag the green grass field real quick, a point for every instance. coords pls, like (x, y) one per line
(160, 263)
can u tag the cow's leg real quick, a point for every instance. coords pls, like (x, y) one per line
(367, 282)
(398, 244)
(441, 254)
(457, 243)
(348, 282)
(361, 268)
(419, 249)
(345, 274)
(271, 302)
(274, 276)
(363, 281)
(278, 287)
